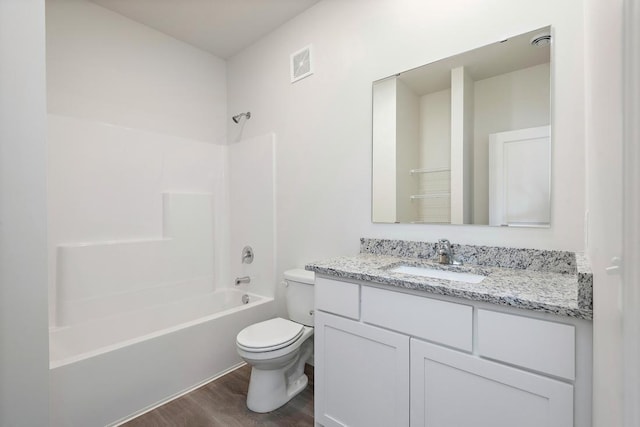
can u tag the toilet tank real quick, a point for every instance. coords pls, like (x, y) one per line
(299, 295)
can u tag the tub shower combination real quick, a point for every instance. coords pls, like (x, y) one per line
(140, 322)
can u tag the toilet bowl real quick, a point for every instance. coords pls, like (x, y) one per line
(277, 349)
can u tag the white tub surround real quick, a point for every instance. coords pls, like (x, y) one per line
(141, 309)
(252, 212)
(142, 321)
(100, 279)
(111, 218)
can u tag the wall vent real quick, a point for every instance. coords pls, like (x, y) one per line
(301, 63)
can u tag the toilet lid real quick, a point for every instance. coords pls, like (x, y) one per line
(269, 335)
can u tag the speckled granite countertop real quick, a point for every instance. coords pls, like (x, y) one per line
(547, 281)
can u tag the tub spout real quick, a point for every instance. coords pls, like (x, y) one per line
(245, 279)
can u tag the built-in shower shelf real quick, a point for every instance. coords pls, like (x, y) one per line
(102, 278)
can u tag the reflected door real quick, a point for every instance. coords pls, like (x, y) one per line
(519, 183)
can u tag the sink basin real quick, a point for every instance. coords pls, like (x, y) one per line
(438, 274)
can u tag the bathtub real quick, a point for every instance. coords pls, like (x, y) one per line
(105, 371)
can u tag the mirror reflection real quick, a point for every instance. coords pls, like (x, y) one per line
(466, 140)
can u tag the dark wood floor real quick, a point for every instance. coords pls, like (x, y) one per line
(223, 403)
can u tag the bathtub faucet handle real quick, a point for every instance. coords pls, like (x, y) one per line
(247, 255)
(244, 279)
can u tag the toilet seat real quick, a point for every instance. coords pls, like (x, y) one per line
(269, 335)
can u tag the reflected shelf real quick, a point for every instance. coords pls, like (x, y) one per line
(432, 170)
(429, 196)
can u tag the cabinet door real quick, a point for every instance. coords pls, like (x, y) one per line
(449, 388)
(361, 374)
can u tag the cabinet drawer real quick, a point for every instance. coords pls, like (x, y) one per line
(438, 321)
(531, 343)
(337, 297)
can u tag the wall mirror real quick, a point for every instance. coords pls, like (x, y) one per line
(467, 140)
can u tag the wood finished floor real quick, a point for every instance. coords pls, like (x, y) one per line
(222, 403)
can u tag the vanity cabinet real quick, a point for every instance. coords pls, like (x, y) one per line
(365, 374)
(388, 358)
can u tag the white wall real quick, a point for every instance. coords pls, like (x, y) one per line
(103, 66)
(631, 203)
(603, 63)
(435, 130)
(510, 101)
(323, 122)
(133, 113)
(435, 153)
(24, 353)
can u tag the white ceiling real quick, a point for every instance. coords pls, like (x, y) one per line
(222, 27)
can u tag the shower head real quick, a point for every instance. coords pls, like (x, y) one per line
(237, 117)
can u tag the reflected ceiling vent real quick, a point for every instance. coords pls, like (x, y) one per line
(541, 40)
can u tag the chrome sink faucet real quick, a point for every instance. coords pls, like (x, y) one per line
(445, 253)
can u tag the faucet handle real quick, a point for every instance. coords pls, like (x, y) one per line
(247, 255)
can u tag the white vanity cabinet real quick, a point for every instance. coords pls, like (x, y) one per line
(364, 369)
(365, 374)
(389, 358)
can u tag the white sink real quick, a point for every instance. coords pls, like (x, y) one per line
(438, 274)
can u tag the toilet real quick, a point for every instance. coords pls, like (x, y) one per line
(278, 349)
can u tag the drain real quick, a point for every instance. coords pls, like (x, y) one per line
(245, 299)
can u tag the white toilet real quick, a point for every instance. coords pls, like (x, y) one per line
(278, 349)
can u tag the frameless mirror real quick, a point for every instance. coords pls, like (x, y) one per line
(466, 140)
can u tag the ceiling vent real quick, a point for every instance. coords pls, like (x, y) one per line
(541, 40)
(301, 64)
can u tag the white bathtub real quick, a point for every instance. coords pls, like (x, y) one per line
(106, 370)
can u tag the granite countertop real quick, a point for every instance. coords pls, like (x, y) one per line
(565, 291)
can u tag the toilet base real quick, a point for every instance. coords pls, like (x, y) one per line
(272, 388)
